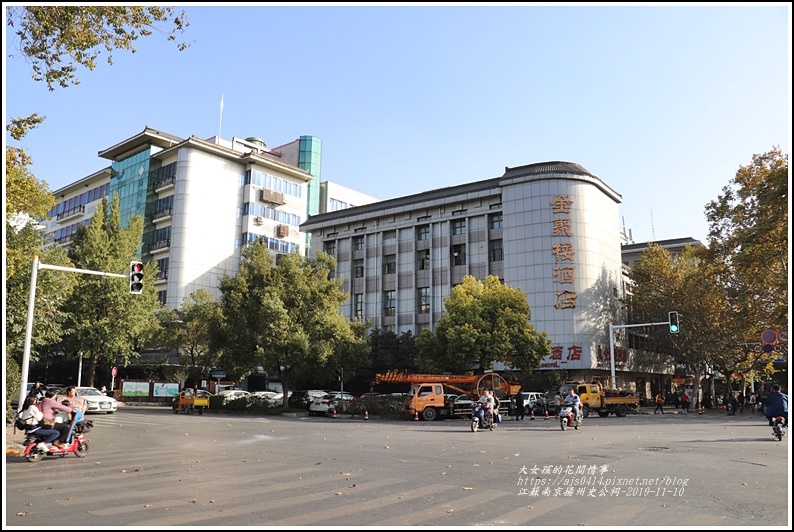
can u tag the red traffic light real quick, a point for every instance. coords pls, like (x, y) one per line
(136, 277)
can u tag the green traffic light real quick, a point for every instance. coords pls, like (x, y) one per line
(674, 328)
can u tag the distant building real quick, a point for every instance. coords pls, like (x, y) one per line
(202, 201)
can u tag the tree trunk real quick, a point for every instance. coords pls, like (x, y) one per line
(92, 363)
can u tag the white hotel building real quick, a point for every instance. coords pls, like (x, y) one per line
(549, 229)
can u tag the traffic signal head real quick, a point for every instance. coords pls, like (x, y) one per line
(674, 328)
(136, 277)
(339, 374)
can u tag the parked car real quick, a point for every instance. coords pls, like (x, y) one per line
(329, 402)
(530, 400)
(304, 398)
(231, 395)
(95, 400)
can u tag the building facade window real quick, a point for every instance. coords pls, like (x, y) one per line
(389, 264)
(358, 243)
(495, 251)
(459, 227)
(423, 259)
(390, 235)
(390, 303)
(162, 269)
(495, 220)
(330, 247)
(423, 296)
(358, 306)
(459, 255)
(162, 295)
(358, 268)
(423, 232)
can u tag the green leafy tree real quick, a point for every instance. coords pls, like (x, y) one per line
(54, 39)
(188, 331)
(27, 200)
(688, 284)
(392, 352)
(748, 236)
(484, 322)
(107, 323)
(285, 318)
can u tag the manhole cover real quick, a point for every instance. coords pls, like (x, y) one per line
(654, 448)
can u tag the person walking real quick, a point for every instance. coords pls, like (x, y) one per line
(685, 402)
(520, 406)
(659, 403)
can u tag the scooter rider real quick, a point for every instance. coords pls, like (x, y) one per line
(573, 400)
(776, 405)
(485, 413)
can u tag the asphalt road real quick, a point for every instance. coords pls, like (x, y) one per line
(147, 467)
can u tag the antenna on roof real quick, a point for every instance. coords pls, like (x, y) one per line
(653, 231)
(220, 121)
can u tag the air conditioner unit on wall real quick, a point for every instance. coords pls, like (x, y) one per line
(282, 230)
(259, 220)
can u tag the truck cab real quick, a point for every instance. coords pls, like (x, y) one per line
(427, 400)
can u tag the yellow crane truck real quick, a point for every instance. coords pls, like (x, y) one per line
(428, 396)
(596, 399)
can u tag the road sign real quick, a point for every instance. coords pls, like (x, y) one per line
(114, 371)
(768, 348)
(757, 348)
(783, 335)
(218, 374)
(769, 336)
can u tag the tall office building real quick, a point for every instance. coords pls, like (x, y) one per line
(202, 201)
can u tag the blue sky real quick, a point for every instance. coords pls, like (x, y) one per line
(662, 102)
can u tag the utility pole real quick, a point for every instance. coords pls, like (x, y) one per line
(612, 343)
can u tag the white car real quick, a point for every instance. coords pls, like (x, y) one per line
(231, 395)
(95, 401)
(329, 402)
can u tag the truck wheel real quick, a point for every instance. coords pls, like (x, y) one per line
(586, 411)
(622, 411)
(603, 414)
(429, 414)
(201, 411)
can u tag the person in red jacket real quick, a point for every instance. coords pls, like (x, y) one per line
(685, 402)
(659, 402)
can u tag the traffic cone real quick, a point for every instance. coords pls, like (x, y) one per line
(701, 411)
(547, 414)
(416, 416)
(366, 415)
(531, 413)
(334, 413)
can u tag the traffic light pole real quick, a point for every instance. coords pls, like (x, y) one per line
(612, 344)
(31, 304)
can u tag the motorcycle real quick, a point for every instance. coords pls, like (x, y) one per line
(566, 416)
(77, 443)
(779, 427)
(478, 419)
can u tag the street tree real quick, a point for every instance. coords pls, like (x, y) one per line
(687, 283)
(392, 352)
(484, 322)
(108, 324)
(285, 318)
(55, 39)
(27, 200)
(188, 331)
(748, 236)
